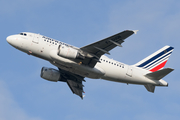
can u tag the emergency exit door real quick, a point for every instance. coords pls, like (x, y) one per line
(36, 38)
(130, 71)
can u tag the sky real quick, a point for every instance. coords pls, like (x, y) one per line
(24, 95)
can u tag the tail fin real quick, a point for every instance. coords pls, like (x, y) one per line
(157, 60)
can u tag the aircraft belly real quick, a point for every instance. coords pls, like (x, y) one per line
(118, 74)
(79, 70)
(112, 71)
(71, 66)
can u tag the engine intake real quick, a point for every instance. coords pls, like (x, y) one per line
(69, 52)
(50, 74)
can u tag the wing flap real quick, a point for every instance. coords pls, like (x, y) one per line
(159, 74)
(74, 82)
(76, 87)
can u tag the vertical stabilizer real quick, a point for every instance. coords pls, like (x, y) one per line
(157, 60)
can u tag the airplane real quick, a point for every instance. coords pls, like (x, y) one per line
(74, 64)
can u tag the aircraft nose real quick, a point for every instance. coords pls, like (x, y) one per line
(9, 39)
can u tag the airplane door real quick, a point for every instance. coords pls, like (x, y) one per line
(36, 38)
(130, 71)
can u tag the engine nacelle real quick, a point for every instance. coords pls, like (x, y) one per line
(69, 52)
(50, 74)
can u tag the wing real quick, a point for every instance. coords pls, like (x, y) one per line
(101, 47)
(74, 82)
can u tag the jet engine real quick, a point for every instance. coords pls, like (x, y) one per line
(50, 74)
(69, 52)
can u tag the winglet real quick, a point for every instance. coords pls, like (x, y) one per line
(135, 31)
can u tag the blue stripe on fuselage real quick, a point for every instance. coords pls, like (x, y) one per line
(157, 60)
(155, 57)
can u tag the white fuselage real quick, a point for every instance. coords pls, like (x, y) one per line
(108, 69)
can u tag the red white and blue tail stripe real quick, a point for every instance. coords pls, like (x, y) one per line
(157, 60)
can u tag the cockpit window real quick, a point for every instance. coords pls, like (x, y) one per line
(23, 34)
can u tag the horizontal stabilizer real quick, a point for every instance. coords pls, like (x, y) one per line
(150, 88)
(159, 74)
